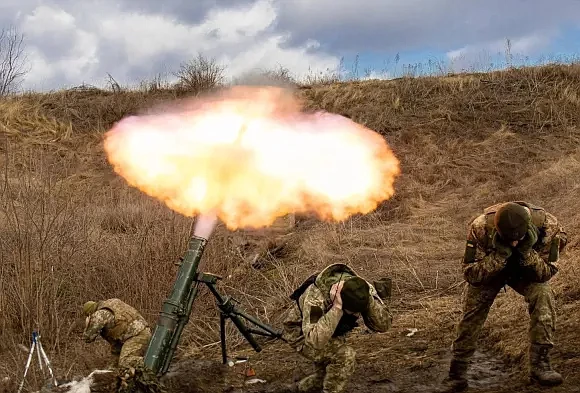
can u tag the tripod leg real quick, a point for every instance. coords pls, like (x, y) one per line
(39, 359)
(28, 361)
(223, 337)
(41, 350)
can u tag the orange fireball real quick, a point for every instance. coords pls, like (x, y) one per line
(250, 155)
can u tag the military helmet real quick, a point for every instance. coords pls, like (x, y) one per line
(355, 295)
(89, 307)
(511, 221)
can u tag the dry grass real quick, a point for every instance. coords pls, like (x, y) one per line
(70, 230)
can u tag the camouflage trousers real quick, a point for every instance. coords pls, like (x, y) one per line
(334, 365)
(131, 352)
(540, 300)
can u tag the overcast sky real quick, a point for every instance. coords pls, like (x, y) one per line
(70, 42)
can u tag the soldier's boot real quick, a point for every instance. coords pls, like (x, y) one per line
(456, 380)
(540, 368)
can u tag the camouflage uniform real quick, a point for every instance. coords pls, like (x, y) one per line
(123, 328)
(487, 273)
(317, 330)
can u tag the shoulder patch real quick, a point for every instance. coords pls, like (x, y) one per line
(315, 314)
(470, 251)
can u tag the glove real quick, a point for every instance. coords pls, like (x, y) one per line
(384, 287)
(502, 249)
(525, 246)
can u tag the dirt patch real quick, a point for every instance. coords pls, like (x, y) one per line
(486, 374)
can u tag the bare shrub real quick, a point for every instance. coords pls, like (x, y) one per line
(280, 76)
(12, 60)
(200, 74)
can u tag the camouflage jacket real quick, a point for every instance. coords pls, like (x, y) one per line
(313, 321)
(481, 262)
(115, 321)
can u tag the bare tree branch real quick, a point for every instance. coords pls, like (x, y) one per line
(12, 60)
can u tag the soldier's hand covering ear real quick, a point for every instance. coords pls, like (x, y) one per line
(525, 245)
(502, 249)
(384, 287)
(335, 294)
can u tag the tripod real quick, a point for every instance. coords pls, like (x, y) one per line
(41, 357)
(229, 310)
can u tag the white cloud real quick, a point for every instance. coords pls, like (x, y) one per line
(485, 53)
(47, 24)
(44, 19)
(382, 75)
(237, 38)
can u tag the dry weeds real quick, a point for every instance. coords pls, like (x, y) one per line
(70, 230)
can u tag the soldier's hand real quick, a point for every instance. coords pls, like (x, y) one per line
(525, 246)
(502, 249)
(335, 294)
(384, 288)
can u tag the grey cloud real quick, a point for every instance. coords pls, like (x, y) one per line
(186, 11)
(344, 26)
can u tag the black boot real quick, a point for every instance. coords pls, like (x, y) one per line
(540, 368)
(456, 381)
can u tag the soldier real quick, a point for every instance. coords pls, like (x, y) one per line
(122, 327)
(328, 306)
(517, 244)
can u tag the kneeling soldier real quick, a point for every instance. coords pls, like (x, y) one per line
(328, 306)
(122, 327)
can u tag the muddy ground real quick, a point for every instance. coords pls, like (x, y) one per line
(400, 360)
(389, 362)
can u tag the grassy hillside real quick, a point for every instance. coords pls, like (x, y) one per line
(71, 230)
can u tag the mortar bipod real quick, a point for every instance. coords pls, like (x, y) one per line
(228, 310)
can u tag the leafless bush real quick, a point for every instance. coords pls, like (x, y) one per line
(280, 76)
(12, 60)
(200, 74)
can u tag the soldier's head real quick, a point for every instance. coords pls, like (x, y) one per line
(89, 307)
(355, 295)
(512, 221)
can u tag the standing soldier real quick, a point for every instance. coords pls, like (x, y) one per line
(517, 244)
(122, 327)
(328, 306)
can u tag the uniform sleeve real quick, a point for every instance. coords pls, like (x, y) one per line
(543, 262)
(378, 317)
(97, 322)
(479, 265)
(318, 326)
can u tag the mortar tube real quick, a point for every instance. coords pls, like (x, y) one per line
(164, 340)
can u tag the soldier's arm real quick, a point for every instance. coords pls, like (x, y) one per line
(318, 326)
(97, 322)
(378, 316)
(480, 266)
(544, 262)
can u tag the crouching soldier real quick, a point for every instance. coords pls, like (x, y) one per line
(328, 306)
(122, 327)
(515, 244)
